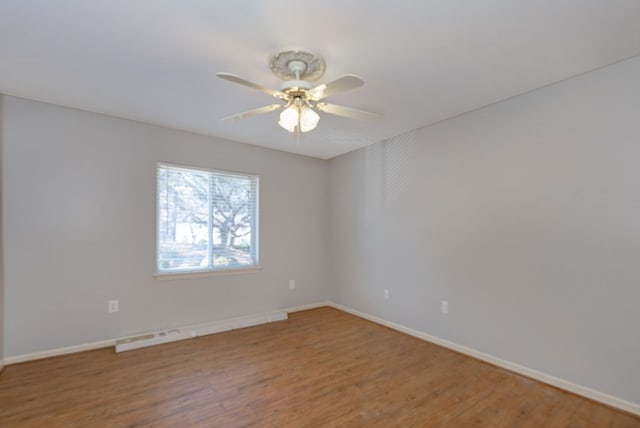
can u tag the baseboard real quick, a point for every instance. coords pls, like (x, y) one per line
(238, 322)
(59, 351)
(308, 307)
(584, 391)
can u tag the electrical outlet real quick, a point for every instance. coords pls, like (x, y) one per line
(444, 306)
(386, 293)
(292, 284)
(113, 306)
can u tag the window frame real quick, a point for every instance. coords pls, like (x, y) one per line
(205, 272)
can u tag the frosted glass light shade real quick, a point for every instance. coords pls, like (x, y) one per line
(289, 118)
(305, 116)
(308, 119)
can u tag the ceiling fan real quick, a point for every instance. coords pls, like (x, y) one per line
(301, 99)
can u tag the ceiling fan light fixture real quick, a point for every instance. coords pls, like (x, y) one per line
(301, 98)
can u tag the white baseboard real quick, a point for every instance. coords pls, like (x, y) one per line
(59, 351)
(307, 307)
(584, 391)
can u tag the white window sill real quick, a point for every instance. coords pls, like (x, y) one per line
(169, 276)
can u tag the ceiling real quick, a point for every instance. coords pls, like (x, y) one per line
(422, 61)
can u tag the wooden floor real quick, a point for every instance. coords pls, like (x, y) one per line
(320, 368)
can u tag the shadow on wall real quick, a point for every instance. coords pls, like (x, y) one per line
(389, 168)
(397, 165)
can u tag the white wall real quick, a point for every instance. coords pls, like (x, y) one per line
(524, 215)
(79, 223)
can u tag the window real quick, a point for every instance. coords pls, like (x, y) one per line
(207, 220)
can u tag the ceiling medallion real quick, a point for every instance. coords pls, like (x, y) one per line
(312, 69)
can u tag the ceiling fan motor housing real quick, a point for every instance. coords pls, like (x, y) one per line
(290, 86)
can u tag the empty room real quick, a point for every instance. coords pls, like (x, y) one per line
(320, 214)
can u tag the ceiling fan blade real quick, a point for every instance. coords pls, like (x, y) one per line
(349, 112)
(254, 112)
(344, 83)
(239, 80)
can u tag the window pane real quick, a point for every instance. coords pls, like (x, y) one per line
(206, 220)
(232, 205)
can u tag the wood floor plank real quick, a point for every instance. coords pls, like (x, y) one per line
(319, 368)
